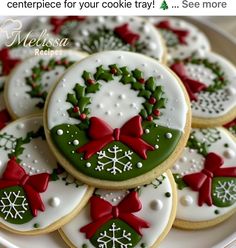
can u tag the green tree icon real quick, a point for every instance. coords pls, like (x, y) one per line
(164, 5)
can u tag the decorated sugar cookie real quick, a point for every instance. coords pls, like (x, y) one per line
(133, 218)
(181, 38)
(36, 194)
(96, 34)
(210, 82)
(112, 119)
(33, 79)
(206, 179)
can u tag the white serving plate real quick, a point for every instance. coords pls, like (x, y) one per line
(221, 236)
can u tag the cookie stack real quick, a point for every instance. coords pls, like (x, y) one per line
(118, 137)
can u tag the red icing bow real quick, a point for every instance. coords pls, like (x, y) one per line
(102, 211)
(202, 181)
(180, 33)
(59, 22)
(7, 62)
(101, 134)
(192, 86)
(4, 118)
(126, 34)
(231, 124)
(15, 175)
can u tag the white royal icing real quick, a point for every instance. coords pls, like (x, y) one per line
(188, 208)
(157, 217)
(118, 110)
(195, 41)
(59, 200)
(19, 101)
(219, 103)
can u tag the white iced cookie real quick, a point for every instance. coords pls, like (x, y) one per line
(117, 119)
(206, 179)
(210, 81)
(181, 37)
(36, 194)
(33, 78)
(96, 34)
(132, 218)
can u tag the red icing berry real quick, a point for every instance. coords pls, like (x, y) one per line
(156, 112)
(113, 71)
(83, 116)
(75, 109)
(222, 78)
(150, 118)
(141, 80)
(152, 100)
(65, 62)
(58, 62)
(33, 76)
(90, 81)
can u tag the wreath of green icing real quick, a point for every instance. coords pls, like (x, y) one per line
(219, 81)
(106, 39)
(152, 93)
(34, 81)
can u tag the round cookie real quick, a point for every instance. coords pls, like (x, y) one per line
(36, 195)
(206, 179)
(210, 82)
(181, 37)
(111, 119)
(33, 78)
(96, 34)
(133, 218)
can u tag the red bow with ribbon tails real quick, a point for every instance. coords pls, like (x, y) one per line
(181, 34)
(102, 211)
(126, 34)
(4, 118)
(7, 62)
(59, 22)
(101, 134)
(202, 181)
(15, 175)
(192, 86)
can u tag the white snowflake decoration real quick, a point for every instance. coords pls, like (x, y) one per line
(117, 242)
(226, 191)
(13, 204)
(114, 160)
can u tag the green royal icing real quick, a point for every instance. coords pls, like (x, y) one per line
(64, 143)
(14, 207)
(224, 191)
(115, 233)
